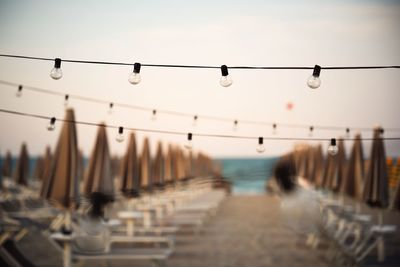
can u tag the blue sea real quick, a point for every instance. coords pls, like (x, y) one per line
(248, 175)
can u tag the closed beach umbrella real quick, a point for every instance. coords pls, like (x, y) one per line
(46, 163)
(353, 183)
(180, 164)
(158, 166)
(7, 165)
(330, 171)
(22, 168)
(62, 185)
(376, 187)
(39, 165)
(311, 164)
(336, 169)
(130, 186)
(319, 166)
(168, 165)
(144, 166)
(396, 199)
(98, 177)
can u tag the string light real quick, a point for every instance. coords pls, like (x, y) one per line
(110, 108)
(311, 130)
(182, 114)
(134, 77)
(56, 72)
(19, 91)
(52, 124)
(274, 131)
(225, 80)
(189, 144)
(235, 125)
(260, 147)
(332, 148)
(120, 136)
(120, 130)
(154, 115)
(314, 81)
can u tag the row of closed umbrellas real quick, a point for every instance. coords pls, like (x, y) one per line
(60, 173)
(362, 180)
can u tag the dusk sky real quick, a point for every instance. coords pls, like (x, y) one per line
(235, 33)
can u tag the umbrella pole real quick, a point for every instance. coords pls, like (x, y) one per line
(381, 242)
(67, 245)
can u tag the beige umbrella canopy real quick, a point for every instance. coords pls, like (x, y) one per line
(22, 168)
(336, 169)
(129, 175)
(7, 165)
(43, 164)
(168, 165)
(62, 184)
(158, 167)
(145, 166)
(353, 183)
(98, 177)
(376, 187)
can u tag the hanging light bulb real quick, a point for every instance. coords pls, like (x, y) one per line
(66, 98)
(134, 77)
(120, 136)
(195, 120)
(333, 149)
(189, 144)
(56, 72)
(260, 148)
(314, 81)
(225, 80)
(310, 133)
(274, 131)
(154, 115)
(110, 108)
(348, 132)
(52, 124)
(235, 125)
(19, 91)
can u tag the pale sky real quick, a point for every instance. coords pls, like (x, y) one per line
(254, 33)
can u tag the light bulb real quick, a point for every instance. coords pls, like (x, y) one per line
(154, 115)
(332, 148)
(120, 136)
(52, 124)
(235, 125)
(310, 133)
(225, 80)
(56, 72)
(195, 120)
(134, 77)
(274, 131)
(260, 147)
(348, 132)
(66, 98)
(110, 109)
(189, 143)
(314, 81)
(19, 92)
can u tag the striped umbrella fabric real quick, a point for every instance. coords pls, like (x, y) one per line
(353, 183)
(98, 177)
(22, 168)
(376, 185)
(62, 185)
(129, 174)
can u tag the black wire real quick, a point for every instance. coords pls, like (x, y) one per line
(183, 133)
(182, 114)
(201, 66)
